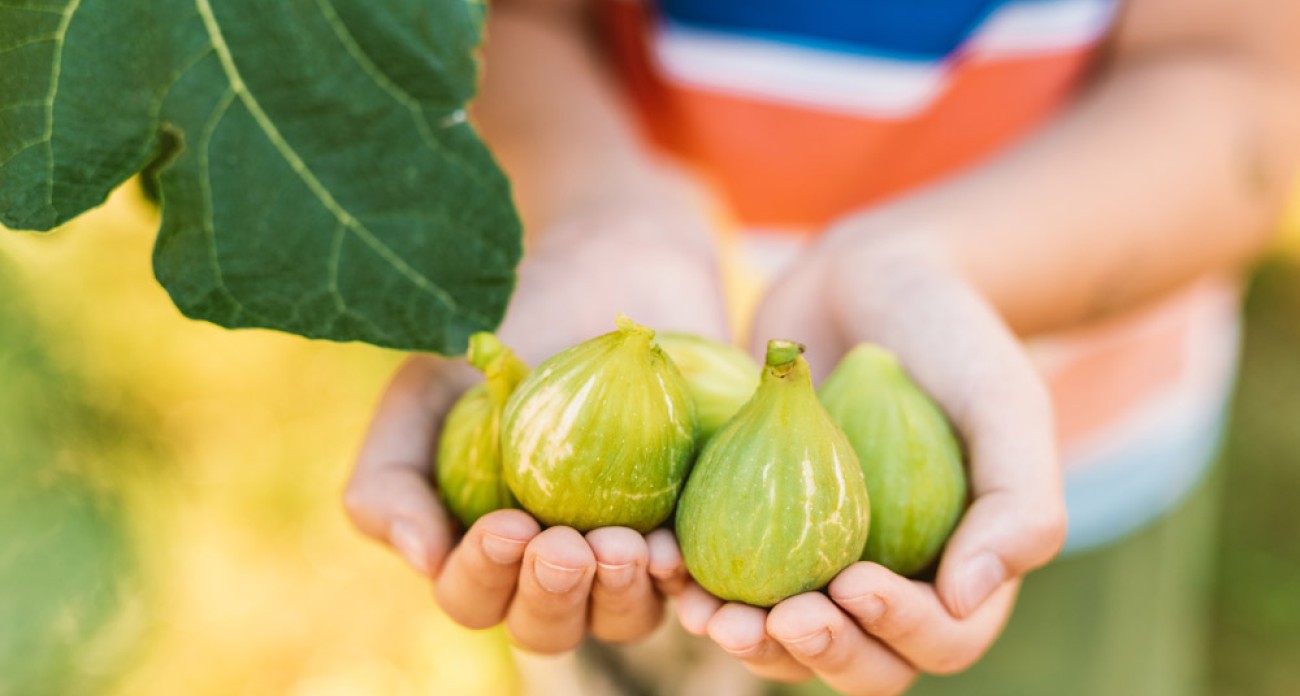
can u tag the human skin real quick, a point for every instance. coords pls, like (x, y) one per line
(1170, 166)
(608, 230)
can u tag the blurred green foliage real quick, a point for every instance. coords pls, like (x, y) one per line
(1257, 636)
(67, 566)
(169, 496)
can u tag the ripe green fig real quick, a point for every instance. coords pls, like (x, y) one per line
(719, 376)
(468, 472)
(776, 504)
(909, 455)
(601, 434)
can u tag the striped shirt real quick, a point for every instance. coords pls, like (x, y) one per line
(800, 111)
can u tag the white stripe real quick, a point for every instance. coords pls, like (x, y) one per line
(830, 80)
(1210, 368)
(862, 85)
(1022, 28)
(1210, 352)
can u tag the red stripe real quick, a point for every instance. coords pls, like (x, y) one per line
(790, 166)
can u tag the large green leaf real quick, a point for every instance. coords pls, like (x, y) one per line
(315, 168)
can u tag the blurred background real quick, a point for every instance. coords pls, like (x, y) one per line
(169, 515)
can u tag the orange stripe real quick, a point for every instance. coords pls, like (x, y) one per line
(988, 105)
(780, 165)
(784, 166)
(788, 166)
(1113, 378)
(1114, 366)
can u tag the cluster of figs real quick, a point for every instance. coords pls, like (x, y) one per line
(776, 486)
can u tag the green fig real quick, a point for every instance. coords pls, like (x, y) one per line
(909, 455)
(601, 434)
(468, 472)
(719, 376)
(776, 504)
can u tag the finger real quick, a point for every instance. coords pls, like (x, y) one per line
(666, 565)
(1003, 535)
(695, 606)
(785, 314)
(405, 425)
(820, 637)
(482, 572)
(1017, 521)
(999, 404)
(549, 611)
(909, 618)
(624, 603)
(740, 630)
(388, 497)
(395, 505)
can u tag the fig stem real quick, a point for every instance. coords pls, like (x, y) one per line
(501, 368)
(781, 354)
(484, 348)
(624, 323)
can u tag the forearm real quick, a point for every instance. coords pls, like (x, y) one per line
(552, 114)
(1170, 167)
(609, 228)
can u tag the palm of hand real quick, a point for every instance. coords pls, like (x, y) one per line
(550, 587)
(873, 630)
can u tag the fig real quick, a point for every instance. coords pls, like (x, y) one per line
(468, 472)
(776, 504)
(910, 457)
(601, 434)
(720, 377)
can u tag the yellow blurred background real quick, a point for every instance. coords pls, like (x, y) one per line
(170, 519)
(247, 578)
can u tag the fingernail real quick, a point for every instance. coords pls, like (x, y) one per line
(618, 576)
(406, 540)
(983, 575)
(866, 608)
(554, 578)
(694, 617)
(811, 644)
(745, 652)
(502, 550)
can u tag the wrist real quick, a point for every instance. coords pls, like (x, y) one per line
(905, 290)
(642, 207)
(882, 258)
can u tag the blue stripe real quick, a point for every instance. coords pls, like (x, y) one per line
(1113, 499)
(908, 29)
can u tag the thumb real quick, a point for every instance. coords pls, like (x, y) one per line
(957, 347)
(394, 505)
(1003, 536)
(389, 497)
(1017, 521)
(794, 309)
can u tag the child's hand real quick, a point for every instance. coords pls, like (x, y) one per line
(549, 587)
(871, 636)
(876, 629)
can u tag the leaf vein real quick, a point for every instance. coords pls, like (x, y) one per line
(304, 172)
(205, 182)
(336, 254)
(405, 98)
(37, 104)
(45, 9)
(161, 98)
(23, 148)
(56, 73)
(29, 42)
